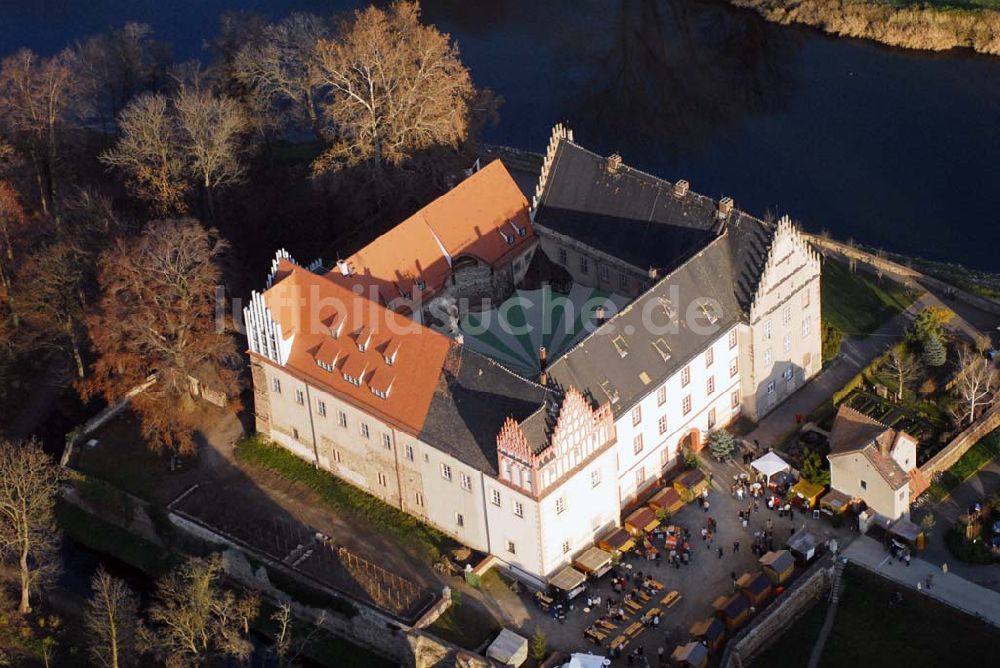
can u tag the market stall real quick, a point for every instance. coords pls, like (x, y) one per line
(804, 545)
(569, 581)
(667, 500)
(778, 566)
(834, 502)
(805, 494)
(692, 654)
(733, 610)
(509, 649)
(711, 631)
(594, 563)
(756, 587)
(617, 542)
(769, 465)
(690, 485)
(641, 520)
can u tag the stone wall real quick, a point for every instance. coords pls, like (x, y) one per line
(768, 626)
(959, 445)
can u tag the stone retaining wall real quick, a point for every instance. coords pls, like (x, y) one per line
(959, 445)
(776, 618)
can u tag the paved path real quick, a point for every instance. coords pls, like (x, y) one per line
(948, 587)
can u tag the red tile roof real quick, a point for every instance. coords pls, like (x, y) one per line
(303, 302)
(485, 216)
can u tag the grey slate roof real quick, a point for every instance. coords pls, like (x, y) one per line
(473, 397)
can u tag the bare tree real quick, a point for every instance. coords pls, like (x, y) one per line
(975, 383)
(214, 131)
(288, 645)
(396, 87)
(13, 220)
(148, 152)
(39, 100)
(156, 318)
(29, 482)
(112, 621)
(194, 618)
(115, 66)
(281, 67)
(903, 368)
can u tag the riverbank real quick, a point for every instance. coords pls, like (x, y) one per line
(933, 26)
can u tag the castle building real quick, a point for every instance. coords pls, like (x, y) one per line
(356, 369)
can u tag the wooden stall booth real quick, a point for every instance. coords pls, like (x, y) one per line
(690, 655)
(641, 521)
(666, 500)
(834, 503)
(805, 494)
(569, 581)
(778, 566)
(690, 485)
(733, 610)
(593, 563)
(711, 631)
(618, 541)
(756, 587)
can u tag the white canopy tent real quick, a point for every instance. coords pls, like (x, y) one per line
(587, 661)
(770, 464)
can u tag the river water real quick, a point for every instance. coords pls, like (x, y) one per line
(890, 147)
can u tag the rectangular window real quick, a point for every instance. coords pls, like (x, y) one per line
(603, 269)
(446, 472)
(767, 357)
(710, 385)
(584, 266)
(686, 404)
(640, 477)
(664, 457)
(733, 338)
(787, 342)
(623, 281)
(663, 424)
(336, 455)
(595, 477)
(734, 399)
(807, 361)
(805, 297)
(711, 418)
(709, 357)
(560, 505)
(637, 444)
(786, 314)
(806, 326)
(342, 418)
(387, 441)
(321, 408)
(466, 483)
(734, 367)
(767, 330)
(495, 497)
(864, 485)
(511, 547)
(519, 509)
(661, 396)
(408, 451)
(562, 256)
(295, 434)
(770, 387)
(459, 519)
(685, 376)
(788, 373)
(420, 499)
(300, 397)
(565, 546)
(381, 479)
(364, 430)
(636, 415)
(276, 385)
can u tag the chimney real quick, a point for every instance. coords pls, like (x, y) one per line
(884, 444)
(681, 188)
(614, 163)
(345, 269)
(599, 314)
(725, 207)
(653, 273)
(543, 379)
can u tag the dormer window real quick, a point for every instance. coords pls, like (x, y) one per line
(621, 345)
(506, 237)
(518, 230)
(610, 390)
(661, 347)
(709, 312)
(352, 380)
(381, 394)
(421, 285)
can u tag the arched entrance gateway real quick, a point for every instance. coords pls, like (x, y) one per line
(692, 440)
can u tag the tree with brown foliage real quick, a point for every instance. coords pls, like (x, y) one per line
(195, 619)
(13, 220)
(279, 64)
(40, 99)
(29, 482)
(112, 621)
(976, 384)
(156, 319)
(395, 88)
(148, 153)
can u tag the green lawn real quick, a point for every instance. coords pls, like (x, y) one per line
(868, 632)
(976, 458)
(343, 497)
(466, 623)
(857, 303)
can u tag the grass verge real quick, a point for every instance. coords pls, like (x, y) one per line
(856, 303)
(342, 497)
(978, 456)
(467, 623)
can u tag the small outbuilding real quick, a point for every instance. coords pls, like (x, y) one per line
(667, 500)
(733, 611)
(594, 563)
(834, 502)
(804, 546)
(778, 566)
(641, 520)
(617, 541)
(509, 649)
(710, 631)
(756, 587)
(692, 655)
(690, 485)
